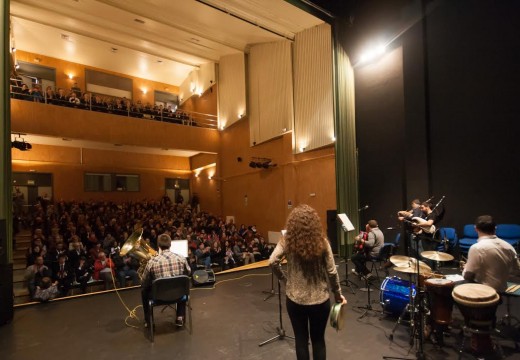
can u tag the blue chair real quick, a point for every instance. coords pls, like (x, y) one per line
(509, 233)
(451, 235)
(469, 237)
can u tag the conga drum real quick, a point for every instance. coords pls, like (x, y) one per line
(441, 303)
(478, 304)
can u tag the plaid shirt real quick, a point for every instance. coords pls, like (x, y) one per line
(167, 264)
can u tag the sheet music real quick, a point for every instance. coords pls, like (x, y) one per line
(346, 222)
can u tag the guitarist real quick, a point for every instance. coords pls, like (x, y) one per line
(371, 247)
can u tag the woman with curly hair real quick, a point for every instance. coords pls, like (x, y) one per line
(309, 264)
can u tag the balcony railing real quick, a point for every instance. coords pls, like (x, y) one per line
(180, 117)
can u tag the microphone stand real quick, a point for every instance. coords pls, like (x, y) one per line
(279, 330)
(270, 293)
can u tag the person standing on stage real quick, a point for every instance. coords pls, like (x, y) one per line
(411, 232)
(310, 264)
(166, 264)
(370, 249)
(426, 235)
(491, 259)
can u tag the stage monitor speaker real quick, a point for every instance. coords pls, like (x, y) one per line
(203, 277)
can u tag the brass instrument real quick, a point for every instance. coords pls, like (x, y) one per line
(136, 245)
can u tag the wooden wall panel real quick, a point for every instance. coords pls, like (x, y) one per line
(43, 119)
(64, 68)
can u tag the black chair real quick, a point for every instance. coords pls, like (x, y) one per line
(384, 255)
(169, 291)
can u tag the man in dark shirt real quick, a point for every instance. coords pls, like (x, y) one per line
(166, 264)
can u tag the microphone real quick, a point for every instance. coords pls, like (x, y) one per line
(363, 208)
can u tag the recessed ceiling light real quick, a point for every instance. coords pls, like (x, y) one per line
(65, 37)
(114, 49)
(195, 39)
(139, 21)
(159, 61)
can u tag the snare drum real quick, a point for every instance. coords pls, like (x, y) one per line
(441, 302)
(478, 304)
(395, 295)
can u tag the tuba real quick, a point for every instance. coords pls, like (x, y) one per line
(137, 246)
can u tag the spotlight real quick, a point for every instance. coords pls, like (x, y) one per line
(21, 145)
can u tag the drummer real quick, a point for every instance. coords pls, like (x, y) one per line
(491, 259)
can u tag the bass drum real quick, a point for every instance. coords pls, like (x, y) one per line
(395, 295)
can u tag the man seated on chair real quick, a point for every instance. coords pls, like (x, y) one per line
(370, 248)
(491, 259)
(166, 264)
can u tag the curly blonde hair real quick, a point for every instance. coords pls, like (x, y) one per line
(305, 241)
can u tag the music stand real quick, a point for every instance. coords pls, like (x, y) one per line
(346, 226)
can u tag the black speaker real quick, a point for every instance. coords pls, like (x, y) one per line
(203, 277)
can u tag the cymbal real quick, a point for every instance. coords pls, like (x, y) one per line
(400, 260)
(437, 256)
(413, 270)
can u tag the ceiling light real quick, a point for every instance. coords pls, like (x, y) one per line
(139, 21)
(114, 49)
(65, 37)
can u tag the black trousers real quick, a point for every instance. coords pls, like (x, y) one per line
(305, 320)
(359, 260)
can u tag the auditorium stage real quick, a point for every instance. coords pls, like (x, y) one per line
(229, 321)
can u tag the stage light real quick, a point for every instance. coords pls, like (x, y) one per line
(21, 145)
(372, 53)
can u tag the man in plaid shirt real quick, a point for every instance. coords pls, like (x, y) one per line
(167, 264)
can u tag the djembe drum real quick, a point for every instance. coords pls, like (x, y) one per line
(441, 303)
(478, 304)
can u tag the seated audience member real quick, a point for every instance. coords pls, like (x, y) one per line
(36, 93)
(74, 100)
(126, 266)
(76, 253)
(83, 272)
(46, 290)
(94, 252)
(26, 93)
(62, 98)
(229, 260)
(203, 255)
(104, 270)
(63, 275)
(166, 264)
(75, 90)
(217, 254)
(50, 96)
(35, 273)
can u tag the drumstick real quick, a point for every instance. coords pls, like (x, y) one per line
(512, 288)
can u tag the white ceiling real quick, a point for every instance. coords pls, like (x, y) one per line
(182, 34)
(169, 39)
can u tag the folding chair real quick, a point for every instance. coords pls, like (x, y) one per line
(169, 291)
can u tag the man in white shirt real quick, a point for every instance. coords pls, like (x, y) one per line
(491, 259)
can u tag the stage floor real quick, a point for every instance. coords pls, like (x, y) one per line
(229, 321)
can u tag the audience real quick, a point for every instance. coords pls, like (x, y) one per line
(86, 238)
(96, 102)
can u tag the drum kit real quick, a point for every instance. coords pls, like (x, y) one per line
(400, 297)
(430, 299)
